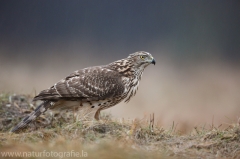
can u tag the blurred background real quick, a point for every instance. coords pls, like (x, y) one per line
(196, 44)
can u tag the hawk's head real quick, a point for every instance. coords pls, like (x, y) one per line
(134, 64)
(141, 59)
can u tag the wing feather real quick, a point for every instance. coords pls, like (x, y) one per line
(94, 83)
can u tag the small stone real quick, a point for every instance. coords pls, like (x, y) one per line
(8, 105)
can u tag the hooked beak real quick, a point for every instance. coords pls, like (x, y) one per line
(153, 62)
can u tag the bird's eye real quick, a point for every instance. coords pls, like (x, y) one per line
(142, 57)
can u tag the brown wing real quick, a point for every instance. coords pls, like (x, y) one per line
(93, 83)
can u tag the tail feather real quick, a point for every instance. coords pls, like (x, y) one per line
(32, 116)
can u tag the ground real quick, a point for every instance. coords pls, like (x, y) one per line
(69, 136)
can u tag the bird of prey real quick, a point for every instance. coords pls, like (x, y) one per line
(95, 88)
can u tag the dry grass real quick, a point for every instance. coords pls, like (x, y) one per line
(175, 91)
(110, 138)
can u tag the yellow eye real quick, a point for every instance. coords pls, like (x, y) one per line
(142, 57)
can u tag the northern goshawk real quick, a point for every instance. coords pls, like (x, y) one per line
(95, 88)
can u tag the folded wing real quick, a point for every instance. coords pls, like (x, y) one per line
(94, 83)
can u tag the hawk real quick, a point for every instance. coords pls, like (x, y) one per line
(95, 88)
